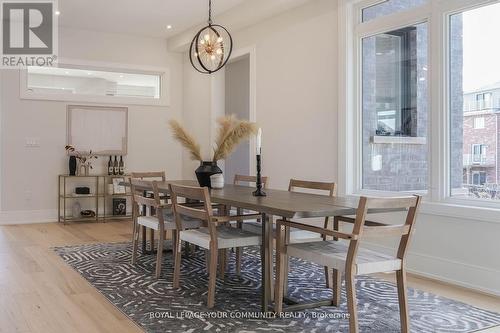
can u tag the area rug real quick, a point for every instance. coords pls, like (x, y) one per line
(158, 307)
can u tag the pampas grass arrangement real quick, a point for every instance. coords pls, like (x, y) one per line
(231, 133)
(186, 140)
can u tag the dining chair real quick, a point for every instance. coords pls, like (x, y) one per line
(348, 257)
(245, 180)
(294, 185)
(151, 175)
(295, 235)
(160, 218)
(213, 236)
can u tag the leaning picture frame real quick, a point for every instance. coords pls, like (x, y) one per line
(117, 188)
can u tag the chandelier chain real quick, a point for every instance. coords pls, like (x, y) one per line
(210, 12)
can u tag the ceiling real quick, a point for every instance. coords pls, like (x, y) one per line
(139, 17)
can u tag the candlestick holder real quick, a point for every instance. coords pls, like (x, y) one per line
(259, 192)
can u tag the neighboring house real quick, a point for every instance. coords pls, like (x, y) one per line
(482, 136)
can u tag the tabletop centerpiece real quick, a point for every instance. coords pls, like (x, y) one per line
(231, 132)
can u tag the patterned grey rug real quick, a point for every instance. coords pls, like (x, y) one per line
(157, 307)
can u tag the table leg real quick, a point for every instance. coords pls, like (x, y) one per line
(270, 262)
(266, 260)
(143, 245)
(144, 249)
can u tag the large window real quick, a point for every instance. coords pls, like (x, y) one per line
(474, 95)
(394, 110)
(421, 102)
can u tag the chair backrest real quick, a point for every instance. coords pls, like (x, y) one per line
(203, 212)
(409, 203)
(149, 175)
(239, 179)
(305, 184)
(138, 195)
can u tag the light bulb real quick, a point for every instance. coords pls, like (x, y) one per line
(220, 39)
(202, 42)
(207, 37)
(212, 57)
(219, 51)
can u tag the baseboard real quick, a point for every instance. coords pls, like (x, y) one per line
(28, 216)
(469, 276)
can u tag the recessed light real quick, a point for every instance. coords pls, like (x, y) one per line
(58, 12)
(89, 73)
(121, 75)
(169, 27)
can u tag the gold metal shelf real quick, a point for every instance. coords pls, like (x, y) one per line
(100, 196)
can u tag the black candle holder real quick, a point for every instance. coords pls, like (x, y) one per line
(259, 192)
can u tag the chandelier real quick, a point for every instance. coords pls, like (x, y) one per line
(211, 47)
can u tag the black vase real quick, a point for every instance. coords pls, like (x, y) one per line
(72, 165)
(204, 171)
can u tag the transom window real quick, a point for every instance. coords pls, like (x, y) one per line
(388, 7)
(89, 83)
(57, 80)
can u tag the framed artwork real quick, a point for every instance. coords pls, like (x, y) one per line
(119, 206)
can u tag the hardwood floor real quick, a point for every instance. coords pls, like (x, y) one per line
(40, 293)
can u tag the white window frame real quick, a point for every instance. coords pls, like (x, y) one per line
(438, 200)
(164, 99)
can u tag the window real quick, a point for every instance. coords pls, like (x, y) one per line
(483, 101)
(389, 7)
(89, 84)
(475, 79)
(385, 111)
(478, 122)
(394, 105)
(478, 153)
(478, 178)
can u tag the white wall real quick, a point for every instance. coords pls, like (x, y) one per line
(296, 79)
(29, 175)
(296, 90)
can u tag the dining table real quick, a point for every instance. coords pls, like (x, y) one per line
(280, 203)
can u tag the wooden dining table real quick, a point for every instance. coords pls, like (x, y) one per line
(281, 203)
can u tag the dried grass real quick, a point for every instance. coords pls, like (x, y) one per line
(231, 132)
(186, 140)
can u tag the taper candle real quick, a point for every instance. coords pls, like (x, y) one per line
(259, 141)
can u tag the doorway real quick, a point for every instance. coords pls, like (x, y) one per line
(237, 102)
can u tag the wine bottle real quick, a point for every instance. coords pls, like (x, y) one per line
(115, 166)
(121, 167)
(110, 166)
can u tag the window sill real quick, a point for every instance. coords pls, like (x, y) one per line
(452, 208)
(462, 211)
(408, 140)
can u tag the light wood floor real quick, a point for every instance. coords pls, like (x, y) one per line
(40, 293)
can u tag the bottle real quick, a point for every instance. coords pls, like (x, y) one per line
(121, 167)
(115, 166)
(110, 166)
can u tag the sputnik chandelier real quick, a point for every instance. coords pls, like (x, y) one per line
(211, 47)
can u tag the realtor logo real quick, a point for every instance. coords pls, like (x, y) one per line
(28, 33)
